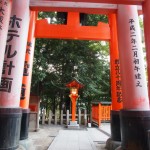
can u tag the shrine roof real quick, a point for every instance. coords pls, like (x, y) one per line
(74, 83)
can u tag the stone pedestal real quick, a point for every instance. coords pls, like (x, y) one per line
(115, 126)
(73, 124)
(33, 122)
(10, 123)
(134, 129)
(24, 124)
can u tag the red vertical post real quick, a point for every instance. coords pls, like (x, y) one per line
(146, 18)
(11, 82)
(26, 82)
(74, 99)
(5, 7)
(116, 91)
(135, 116)
(99, 111)
(10, 88)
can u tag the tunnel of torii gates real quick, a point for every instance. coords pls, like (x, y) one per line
(130, 118)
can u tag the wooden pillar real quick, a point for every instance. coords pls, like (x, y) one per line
(14, 55)
(99, 114)
(11, 81)
(73, 109)
(28, 63)
(116, 91)
(55, 118)
(85, 117)
(5, 11)
(61, 117)
(43, 116)
(79, 116)
(146, 18)
(50, 117)
(26, 82)
(38, 116)
(133, 75)
(135, 114)
(67, 117)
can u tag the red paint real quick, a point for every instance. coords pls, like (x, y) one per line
(114, 63)
(73, 30)
(100, 113)
(24, 102)
(12, 77)
(73, 100)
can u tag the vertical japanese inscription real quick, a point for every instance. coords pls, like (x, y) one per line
(3, 7)
(118, 81)
(135, 50)
(23, 90)
(26, 69)
(10, 52)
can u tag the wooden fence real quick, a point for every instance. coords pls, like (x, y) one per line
(100, 113)
(61, 118)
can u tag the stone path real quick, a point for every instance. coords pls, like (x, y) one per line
(90, 139)
(72, 140)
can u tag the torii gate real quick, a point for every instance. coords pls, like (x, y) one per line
(134, 86)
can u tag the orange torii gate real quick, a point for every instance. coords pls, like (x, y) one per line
(134, 88)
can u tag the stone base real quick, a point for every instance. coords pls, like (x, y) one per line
(134, 129)
(24, 124)
(115, 126)
(26, 144)
(112, 145)
(73, 125)
(119, 148)
(33, 124)
(10, 123)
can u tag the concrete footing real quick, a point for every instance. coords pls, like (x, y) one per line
(134, 129)
(26, 144)
(119, 148)
(73, 125)
(10, 123)
(112, 145)
(115, 126)
(24, 124)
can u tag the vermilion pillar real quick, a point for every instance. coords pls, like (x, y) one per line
(28, 63)
(5, 10)
(26, 83)
(116, 91)
(146, 18)
(10, 88)
(133, 74)
(135, 116)
(74, 99)
(14, 55)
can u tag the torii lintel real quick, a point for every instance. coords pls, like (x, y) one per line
(73, 29)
